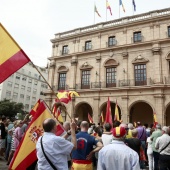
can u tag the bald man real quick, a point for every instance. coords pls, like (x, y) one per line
(82, 156)
(55, 148)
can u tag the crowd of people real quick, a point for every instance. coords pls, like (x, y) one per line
(85, 146)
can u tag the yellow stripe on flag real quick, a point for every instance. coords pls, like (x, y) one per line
(117, 131)
(7, 42)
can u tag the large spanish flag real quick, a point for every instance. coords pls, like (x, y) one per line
(12, 57)
(90, 118)
(108, 118)
(116, 117)
(25, 154)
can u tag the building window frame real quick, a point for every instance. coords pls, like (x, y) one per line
(88, 45)
(65, 50)
(111, 76)
(62, 80)
(137, 36)
(111, 41)
(85, 79)
(140, 74)
(168, 31)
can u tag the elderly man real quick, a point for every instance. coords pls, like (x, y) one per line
(117, 155)
(52, 150)
(157, 133)
(82, 156)
(163, 145)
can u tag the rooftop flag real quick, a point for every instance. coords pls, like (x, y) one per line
(134, 5)
(108, 7)
(12, 57)
(120, 3)
(95, 10)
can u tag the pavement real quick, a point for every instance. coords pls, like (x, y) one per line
(3, 165)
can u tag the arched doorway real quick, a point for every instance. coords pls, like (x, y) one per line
(141, 111)
(103, 110)
(82, 110)
(167, 115)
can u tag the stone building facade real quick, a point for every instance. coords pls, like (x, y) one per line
(126, 59)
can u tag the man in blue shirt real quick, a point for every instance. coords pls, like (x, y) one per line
(82, 156)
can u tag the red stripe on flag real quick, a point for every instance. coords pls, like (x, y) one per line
(13, 64)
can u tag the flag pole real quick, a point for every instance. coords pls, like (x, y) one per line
(119, 10)
(132, 8)
(106, 10)
(94, 11)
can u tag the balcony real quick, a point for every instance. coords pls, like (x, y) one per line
(64, 52)
(56, 88)
(82, 86)
(111, 43)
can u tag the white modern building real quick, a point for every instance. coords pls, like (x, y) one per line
(25, 86)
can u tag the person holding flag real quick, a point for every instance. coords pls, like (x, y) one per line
(52, 150)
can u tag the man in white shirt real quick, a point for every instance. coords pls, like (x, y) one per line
(56, 148)
(107, 135)
(163, 146)
(118, 156)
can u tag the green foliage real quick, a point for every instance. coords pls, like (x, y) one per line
(10, 109)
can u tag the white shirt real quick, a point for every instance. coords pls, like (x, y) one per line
(161, 142)
(118, 156)
(56, 148)
(107, 139)
(149, 149)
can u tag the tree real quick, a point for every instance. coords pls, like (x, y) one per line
(10, 109)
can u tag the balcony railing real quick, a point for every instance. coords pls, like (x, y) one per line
(56, 88)
(111, 43)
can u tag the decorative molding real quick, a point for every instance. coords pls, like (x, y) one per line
(53, 46)
(151, 25)
(99, 35)
(86, 66)
(52, 64)
(124, 30)
(98, 57)
(125, 55)
(111, 62)
(157, 24)
(62, 69)
(125, 97)
(96, 98)
(156, 50)
(159, 96)
(139, 59)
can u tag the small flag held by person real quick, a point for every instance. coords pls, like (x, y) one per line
(95, 10)
(90, 118)
(12, 57)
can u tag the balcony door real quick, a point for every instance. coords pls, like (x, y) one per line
(140, 75)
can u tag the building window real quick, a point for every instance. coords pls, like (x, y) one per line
(34, 91)
(111, 77)
(8, 94)
(27, 106)
(35, 83)
(140, 75)
(62, 81)
(17, 77)
(16, 86)
(137, 37)
(9, 84)
(15, 95)
(29, 89)
(111, 41)
(27, 98)
(30, 81)
(33, 99)
(88, 45)
(168, 31)
(21, 96)
(24, 78)
(85, 79)
(23, 87)
(29, 73)
(65, 49)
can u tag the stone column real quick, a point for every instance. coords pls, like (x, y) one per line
(125, 115)
(96, 111)
(157, 64)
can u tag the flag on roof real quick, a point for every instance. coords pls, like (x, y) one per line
(108, 7)
(90, 118)
(134, 5)
(108, 118)
(24, 156)
(116, 117)
(95, 10)
(120, 3)
(12, 57)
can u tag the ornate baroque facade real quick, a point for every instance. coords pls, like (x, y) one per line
(127, 59)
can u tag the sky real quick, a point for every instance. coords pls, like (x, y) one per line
(33, 23)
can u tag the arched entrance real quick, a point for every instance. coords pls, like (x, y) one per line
(82, 110)
(141, 111)
(167, 122)
(103, 110)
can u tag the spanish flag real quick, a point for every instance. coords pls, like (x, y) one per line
(155, 121)
(102, 117)
(116, 117)
(66, 96)
(12, 57)
(108, 113)
(25, 154)
(57, 114)
(95, 10)
(90, 118)
(108, 7)
(35, 108)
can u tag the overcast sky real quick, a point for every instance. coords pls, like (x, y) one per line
(32, 23)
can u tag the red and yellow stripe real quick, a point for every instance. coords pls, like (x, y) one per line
(12, 57)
